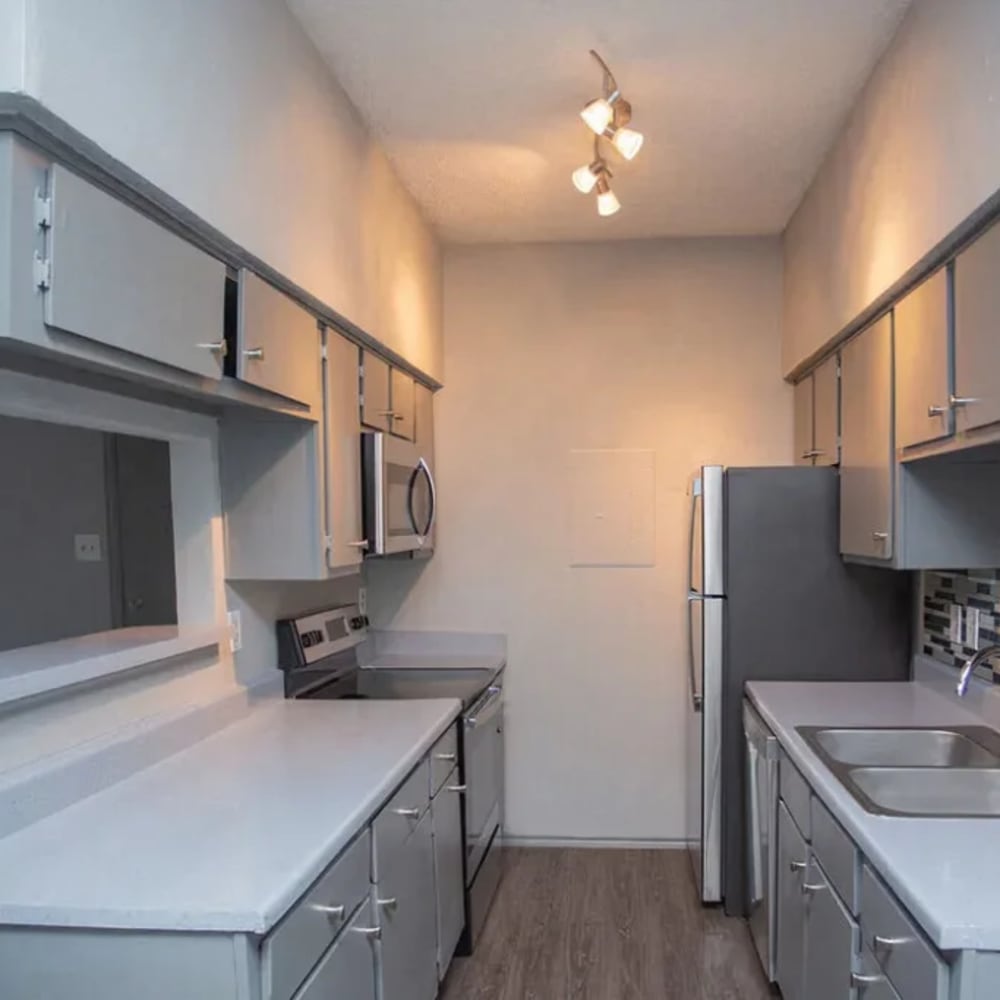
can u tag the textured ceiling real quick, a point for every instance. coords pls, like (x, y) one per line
(476, 103)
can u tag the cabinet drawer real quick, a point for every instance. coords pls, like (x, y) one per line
(279, 343)
(902, 952)
(348, 968)
(836, 853)
(123, 280)
(795, 793)
(444, 757)
(293, 947)
(400, 816)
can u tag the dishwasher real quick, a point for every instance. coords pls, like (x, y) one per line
(761, 827)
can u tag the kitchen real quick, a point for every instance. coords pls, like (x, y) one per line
(244, 236)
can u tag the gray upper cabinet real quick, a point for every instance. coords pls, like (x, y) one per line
(346, 545)
(867, 455)
(278, 342)
(922, 378)
(376, 408)
(817, 415)
(118, 278)
(402, 402)
(977, 345)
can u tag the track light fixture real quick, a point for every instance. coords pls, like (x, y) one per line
(607, 117)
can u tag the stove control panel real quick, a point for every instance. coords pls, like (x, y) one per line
(319, 634)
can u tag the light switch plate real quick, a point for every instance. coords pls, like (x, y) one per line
(362, 600)
(955, 625)
(972, 628)
(235, 632)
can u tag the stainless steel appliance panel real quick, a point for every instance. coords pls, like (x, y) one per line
(761, 824)
(483, 775)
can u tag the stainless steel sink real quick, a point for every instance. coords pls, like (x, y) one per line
(907, 771)
(927, 791)
(953, 747)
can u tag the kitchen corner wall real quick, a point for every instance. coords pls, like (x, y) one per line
(918, 154)
(671, 346)
(228, 107)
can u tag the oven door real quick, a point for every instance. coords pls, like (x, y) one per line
(400, 499)
(484, 770)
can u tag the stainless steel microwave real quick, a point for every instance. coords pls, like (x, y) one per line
(400, 499)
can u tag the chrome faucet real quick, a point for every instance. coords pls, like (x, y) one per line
(977, 659)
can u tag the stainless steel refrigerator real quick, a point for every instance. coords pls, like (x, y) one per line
(769, 598)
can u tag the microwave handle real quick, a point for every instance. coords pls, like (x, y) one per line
(434, 499)
(423, 467)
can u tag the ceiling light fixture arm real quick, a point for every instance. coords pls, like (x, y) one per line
(611, 91)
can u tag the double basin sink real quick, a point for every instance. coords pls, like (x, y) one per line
(948, 771)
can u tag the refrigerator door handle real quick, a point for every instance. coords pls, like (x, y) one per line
(756, 847)
(693, 533)
(696, 695)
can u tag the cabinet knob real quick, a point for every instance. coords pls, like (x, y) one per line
(961, 400)
(254, 354)
(386, 413)
(937, 411)
(387, 904)
(888, 943)
(458, 788)
(372, 933)
(797, 866)
(334, 913)
(362, 544)
(447, 757)
(880, 536)
(810, 887)
(408, 813)
(218, 347)
(812, 453)
(861, 981)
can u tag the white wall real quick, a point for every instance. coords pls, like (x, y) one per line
(226, 105)
(665, 345)
(920, 152)
(52, 488)
(11, 44)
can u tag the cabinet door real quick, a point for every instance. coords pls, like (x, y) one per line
(406, 914)
(402, 401)
(279, 342)
(790, 949)
(121, 279)
(376, 410)
(826, 412)
(922, 382)
(866, 463)
(803, 405)
(448, 878)
(343, 454)
(873, 979)
(831, 937)
(977, 346)
(347, 970)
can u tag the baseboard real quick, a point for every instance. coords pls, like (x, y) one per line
(624, 844)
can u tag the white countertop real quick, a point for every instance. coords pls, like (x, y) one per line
(228, 833)
(945, 871)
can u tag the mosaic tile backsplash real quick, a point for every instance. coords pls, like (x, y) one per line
(969, 588)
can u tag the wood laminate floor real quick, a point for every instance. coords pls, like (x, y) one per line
(605, 925)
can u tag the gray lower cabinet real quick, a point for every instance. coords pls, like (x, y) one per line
(871, 981)
(793, 858)
(867, 454)
(405, 901)
(446, 813)
(830, 940)
(347, 970)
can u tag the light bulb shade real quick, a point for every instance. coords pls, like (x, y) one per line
(607, 203)
(627, 141)
(584, 178)
(598, 115)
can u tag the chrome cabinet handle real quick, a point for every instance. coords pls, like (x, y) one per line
(396, 416)
(937, 411)
(797, 866)
(811, 887)
(218, 347)
(360, 544)
(861, 981)
(448, 757)
(954, 400)
(812, 453)
(372, 933)
(387, 904)
(888, 942)
(880, 536)
(386, 413)
(332, 912)
(254, 354)
(458, 788)
(408, 813)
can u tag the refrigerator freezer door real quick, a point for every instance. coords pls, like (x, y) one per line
(705, 556)
(705, 744)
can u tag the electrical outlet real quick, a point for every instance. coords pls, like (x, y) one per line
(87, 548)
(235, 632)
(362, 600)
(972, 628)
(955, 626)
